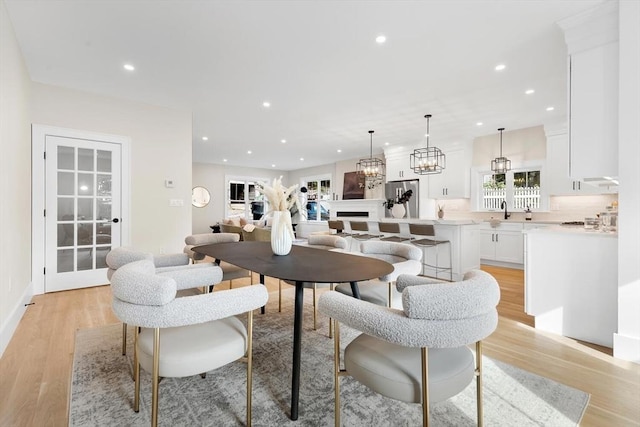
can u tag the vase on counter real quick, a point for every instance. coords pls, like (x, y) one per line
(398, 211)
(440, 213)
(281, 233)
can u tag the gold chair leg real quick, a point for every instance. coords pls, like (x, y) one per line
(231, 284)
(124, 339)
(154, 379)
(390, 293)
(136, 372)
(336, 371)
(330, 320)
(425, 386)
(315, 312)
(249, 364)
(479, 383)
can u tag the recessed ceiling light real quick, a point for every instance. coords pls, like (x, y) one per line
(339, 150)
(248, 151)
(479, 124)
(224, 160)
(284, 141)
(129, 67)
(529, 91)
(273, 166)
(204, 138)
(381, 39)
(550, 108)
(386, 143)
(266, 104)
(302, 159)
(500, 67)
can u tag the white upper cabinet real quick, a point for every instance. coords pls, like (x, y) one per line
(455, 180)
(558, 181)
(398, 164)
(594, 113)
(592, 42)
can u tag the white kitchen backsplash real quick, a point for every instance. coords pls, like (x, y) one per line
(563, 208)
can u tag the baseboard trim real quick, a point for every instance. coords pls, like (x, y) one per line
(502, 264)
(7, 330)
(626, 347)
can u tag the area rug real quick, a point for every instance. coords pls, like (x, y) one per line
(102, 388)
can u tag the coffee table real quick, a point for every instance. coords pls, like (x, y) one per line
(303, 264)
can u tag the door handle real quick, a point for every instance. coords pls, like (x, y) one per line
(116, 220)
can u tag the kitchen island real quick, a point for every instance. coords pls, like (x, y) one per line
(571, 282)
(463, 235)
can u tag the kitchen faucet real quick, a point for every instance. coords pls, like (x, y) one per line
(503, 205)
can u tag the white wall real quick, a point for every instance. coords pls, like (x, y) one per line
(212, 177)
(15, 182)
(626, 343)
(519, 146)
(160, 149)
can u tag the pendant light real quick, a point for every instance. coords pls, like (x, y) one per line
(429, 160)
(500, 164)
(372, 168)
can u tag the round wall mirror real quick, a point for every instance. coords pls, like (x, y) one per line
(200, 197)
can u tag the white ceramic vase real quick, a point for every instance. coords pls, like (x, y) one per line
(281, 233)
(398, 211)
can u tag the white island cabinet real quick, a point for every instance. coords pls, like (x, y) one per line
(571, 281)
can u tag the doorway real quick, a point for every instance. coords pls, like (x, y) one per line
(80, 206)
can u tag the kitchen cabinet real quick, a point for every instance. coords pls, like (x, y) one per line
(502, 244)
(557, 167)
(592, 44)
(593, 113)
(398, 165)
(575, 302)
(455, 180)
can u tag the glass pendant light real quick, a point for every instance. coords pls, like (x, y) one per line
(372, 168)
(429, 160)
(500, 164)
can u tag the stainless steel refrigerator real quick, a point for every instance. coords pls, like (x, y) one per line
(395, 189)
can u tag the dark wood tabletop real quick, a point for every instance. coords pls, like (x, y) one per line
(303, 264)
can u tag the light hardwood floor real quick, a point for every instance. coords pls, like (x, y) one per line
(35, 369)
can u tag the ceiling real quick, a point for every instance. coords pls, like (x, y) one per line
(316, 62)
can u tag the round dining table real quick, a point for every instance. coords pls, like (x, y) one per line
(302, 264)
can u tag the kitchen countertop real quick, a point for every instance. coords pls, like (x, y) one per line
(433, 221)
(571, 229)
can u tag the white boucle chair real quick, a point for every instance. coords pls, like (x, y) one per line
(318, 241)
(175, 265)
(230, 272)
(183, 336)
(405, 258)
(418, 354)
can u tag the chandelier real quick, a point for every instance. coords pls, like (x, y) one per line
(372, 168)
(429, 160)
(500, 164)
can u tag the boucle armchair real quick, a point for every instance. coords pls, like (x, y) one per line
(230, 272)
(405, 258)
(183, 336)
(187, 277)
(418, 354)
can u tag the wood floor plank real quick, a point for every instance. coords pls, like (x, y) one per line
(35, 369)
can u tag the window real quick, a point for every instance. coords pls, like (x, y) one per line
(521, 188)
(244, 201)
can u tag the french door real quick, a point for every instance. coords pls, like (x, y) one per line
(82, 196)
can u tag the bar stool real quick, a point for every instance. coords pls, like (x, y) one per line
(394, 229)
(428, 230)
(360, 231)
(339, 227)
